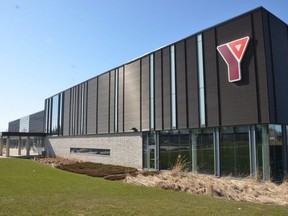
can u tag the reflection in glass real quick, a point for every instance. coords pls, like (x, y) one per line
(149, 151)
(276, 148)
(234, 147)
(47, 115)
(203, 151)
(173, 144)
(24, 124)
(53, 115)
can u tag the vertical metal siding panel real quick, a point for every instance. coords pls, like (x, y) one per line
(103, 103)
(84, 109)
(145, 93)
(120, 100)
(269, 68)
(91, 106)
(181, 85)
(279, 44)
(192, 83)
(132, 96)
(112, 98)
(166, 89)
(158, 91)
(263, 106)
(66, 113)
(211, 79)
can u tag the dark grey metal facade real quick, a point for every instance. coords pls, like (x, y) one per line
(260, 97)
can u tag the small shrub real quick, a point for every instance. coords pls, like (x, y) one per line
(181, 165)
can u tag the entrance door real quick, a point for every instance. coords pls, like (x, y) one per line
(150, 159)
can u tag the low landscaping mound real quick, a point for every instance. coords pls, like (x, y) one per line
(106, 171)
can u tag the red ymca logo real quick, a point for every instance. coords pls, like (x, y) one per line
(232, 53)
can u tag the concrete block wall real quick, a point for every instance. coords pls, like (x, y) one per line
(125, 149)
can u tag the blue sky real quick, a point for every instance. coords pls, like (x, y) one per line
(47, 46)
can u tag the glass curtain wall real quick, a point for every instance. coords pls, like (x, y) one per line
(237, 150)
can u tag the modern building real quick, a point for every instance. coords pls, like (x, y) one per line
(218, 98)
(29, 123)
(24, 136)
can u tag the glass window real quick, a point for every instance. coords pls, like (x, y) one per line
(151, 69)
(47, 116)
(24, 124)
(262, 152)
(201, 80)
(116, 101)
(90, 151)
(234, 148)
(168, 149)
(60, 113)
(54, 123)
(173, 85)
(174, 143)
(203, 151)
(73, 111)
(54, 114)
(276, 149)
(184, 147)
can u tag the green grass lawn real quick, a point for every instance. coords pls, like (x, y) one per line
(29, 188)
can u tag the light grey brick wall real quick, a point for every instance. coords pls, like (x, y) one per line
(125, 149)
